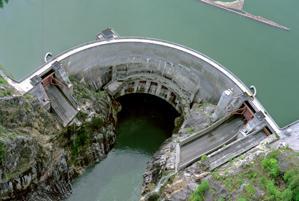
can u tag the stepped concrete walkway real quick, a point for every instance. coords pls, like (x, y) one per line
(193, 150)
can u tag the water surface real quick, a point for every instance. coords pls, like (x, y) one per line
(258, 54)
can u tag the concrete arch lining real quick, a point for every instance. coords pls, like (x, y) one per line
(143, 84)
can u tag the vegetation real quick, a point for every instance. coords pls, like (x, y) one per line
(2, 152)
(2, 3)
(204, 158)
(190, 130)
(79, 136)
(2, 80)
(265, 175)
(200, 191)
(291, 177)
(5, 90)
(270, 164)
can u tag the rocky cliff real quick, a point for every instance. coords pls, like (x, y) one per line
(161, 169)
(39, 158)
(267, 172)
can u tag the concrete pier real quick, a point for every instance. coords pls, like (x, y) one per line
(245, 14)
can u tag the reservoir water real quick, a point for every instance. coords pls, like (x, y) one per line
(258, 54)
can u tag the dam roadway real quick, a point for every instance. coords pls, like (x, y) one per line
(207, 141)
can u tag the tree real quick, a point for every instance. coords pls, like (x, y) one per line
(2, 3)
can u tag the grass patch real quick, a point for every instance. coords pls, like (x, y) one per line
(190, 130)
(200, 191)
(204, 158)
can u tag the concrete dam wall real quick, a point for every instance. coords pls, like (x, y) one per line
(184, 73)
(176, 74)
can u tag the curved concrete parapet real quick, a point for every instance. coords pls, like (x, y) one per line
(173, 72)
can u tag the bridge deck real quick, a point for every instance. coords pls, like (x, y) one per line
(192, 151)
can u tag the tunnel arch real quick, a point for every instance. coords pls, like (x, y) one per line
(152, 84)
(149, 106)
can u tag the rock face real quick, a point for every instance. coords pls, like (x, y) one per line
(162, 182)
(160, 170)
(39, 158)
(266, 172)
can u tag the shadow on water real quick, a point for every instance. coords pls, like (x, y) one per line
(143, 124)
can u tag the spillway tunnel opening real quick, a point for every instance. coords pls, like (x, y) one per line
(147, 121)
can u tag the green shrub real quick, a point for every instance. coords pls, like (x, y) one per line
(270, 164)
(81, 138)
(292, 179)
(96, 123)
(241, 199)
(2, 152)
(2, 80)
(287, 195)
(274, 193)
(221, 199)
(204, 157)
(199, 193)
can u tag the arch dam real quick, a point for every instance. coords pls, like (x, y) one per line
(174, 73)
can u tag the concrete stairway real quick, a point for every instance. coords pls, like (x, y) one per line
(235, 149)
(209, 141)
(60, 104)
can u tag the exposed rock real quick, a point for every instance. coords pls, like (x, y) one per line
(200, 117)
(163, 162)
(39, 158)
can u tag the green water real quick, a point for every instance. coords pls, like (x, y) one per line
(119, 176)
(144, 123)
